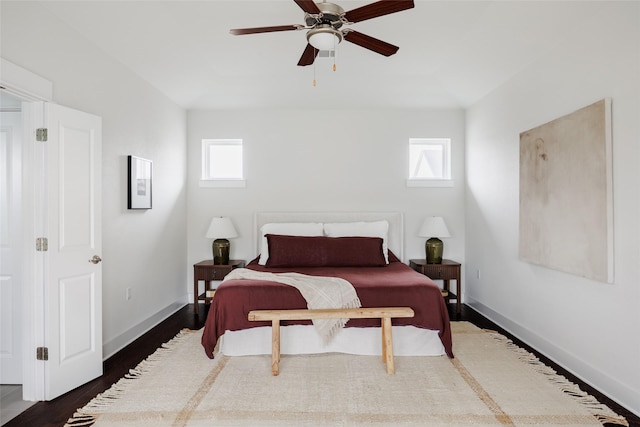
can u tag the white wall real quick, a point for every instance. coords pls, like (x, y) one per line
(588, 327)
(324, 160)
(144, 250)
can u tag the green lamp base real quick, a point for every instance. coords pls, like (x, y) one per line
(434, 248)
(220, 249)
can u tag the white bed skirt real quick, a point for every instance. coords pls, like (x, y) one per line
(303, 339)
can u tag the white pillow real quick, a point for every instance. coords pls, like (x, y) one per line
(361, 229)
(286, 229)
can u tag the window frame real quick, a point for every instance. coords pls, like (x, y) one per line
(206, 180)
(446, 179)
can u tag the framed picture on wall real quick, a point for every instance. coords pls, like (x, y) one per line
(140, 180)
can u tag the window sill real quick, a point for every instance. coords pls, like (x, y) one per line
(430, 183)
(223, 183)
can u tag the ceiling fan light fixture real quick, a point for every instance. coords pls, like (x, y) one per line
(324, 38)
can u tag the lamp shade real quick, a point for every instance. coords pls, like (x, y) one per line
(434, 226)
(221, 228)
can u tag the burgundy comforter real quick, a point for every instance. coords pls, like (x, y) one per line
(395, 285)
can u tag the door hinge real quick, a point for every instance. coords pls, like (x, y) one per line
(42, 353)
(41, 134)
(42, 244)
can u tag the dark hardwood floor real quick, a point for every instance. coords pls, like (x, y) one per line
(57, 412)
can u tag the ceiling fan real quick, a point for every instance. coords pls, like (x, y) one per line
(325, 23)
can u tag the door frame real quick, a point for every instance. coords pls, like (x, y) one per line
(34, 90)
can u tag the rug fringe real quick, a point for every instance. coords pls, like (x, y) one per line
(600, 411)
(87, 415)
(79, 420)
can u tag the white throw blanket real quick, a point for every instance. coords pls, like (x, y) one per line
(318, 291)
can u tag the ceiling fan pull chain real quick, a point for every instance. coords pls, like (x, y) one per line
(335, 53)
(314, 73)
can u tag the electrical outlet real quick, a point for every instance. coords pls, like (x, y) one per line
(128, 294)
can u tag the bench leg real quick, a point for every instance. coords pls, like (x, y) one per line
(387, 345)
(275, 346)
(384, 341)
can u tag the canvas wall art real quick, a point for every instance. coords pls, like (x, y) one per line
(566, 204)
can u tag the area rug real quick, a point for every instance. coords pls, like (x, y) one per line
(490, 382)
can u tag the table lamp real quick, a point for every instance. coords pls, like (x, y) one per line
(434, 227)
(221, 229)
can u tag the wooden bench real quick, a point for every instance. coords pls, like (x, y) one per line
(383, 313)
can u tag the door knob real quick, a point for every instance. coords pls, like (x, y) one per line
(96, 259)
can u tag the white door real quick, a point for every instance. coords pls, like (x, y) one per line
(72, 267)
(10, 249)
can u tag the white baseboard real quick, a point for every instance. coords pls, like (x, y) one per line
(591, 375)
(121, 341)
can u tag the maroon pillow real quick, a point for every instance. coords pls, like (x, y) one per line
(319, 251)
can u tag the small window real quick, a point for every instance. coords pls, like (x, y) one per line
(222, 163)
(429, 162)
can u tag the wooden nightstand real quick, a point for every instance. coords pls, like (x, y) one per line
(448, 270)
(207, 271)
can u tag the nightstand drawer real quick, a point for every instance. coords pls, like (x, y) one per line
(439, 271)
(219, 273)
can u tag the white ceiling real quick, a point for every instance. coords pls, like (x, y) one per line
(452, 53)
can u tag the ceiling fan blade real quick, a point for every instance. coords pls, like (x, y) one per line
(242, 31)
(308, 56)
(371, 43)
(308, 6)
(379, 8)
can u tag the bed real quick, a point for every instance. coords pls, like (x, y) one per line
(365, 249)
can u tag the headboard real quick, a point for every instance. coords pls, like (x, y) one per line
(395, 219)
